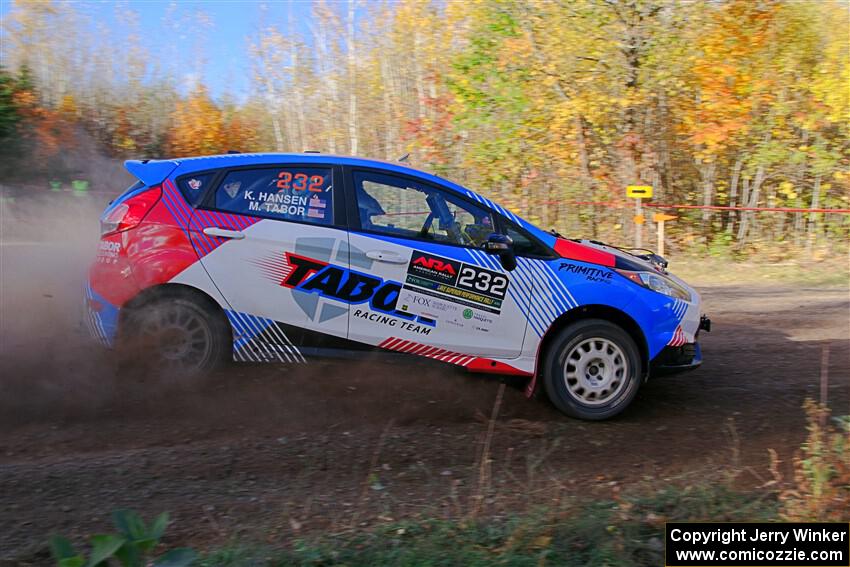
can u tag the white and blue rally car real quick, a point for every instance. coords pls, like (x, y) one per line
(284, 257)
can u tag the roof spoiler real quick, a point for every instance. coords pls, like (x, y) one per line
(150, 172)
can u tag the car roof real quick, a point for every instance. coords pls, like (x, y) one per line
(152, 172)
(187, 165)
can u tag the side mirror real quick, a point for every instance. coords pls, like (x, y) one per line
(502, 246)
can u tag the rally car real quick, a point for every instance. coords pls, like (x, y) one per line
(286, 257)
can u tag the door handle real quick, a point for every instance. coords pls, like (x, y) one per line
(224, 233)
(384, 256)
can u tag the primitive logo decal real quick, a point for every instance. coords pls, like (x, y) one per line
(591, 274)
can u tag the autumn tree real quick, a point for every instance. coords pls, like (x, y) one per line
(538, 104)
(197, 126)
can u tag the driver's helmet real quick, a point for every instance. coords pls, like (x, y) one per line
(480, 231)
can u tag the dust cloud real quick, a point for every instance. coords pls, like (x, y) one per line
(47, 241)
(52, 370)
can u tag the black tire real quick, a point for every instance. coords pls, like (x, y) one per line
(603, 373)
(176, 334)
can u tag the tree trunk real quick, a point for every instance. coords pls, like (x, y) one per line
(327, 73)
(733, 195)
(587, 178)
(811, 236)
(278, 134)
(352, 78)
(298, 96)
(746, 218)
(389, 120)
(707, 172)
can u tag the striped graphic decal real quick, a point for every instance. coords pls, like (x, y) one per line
(196, 220)
(535, 287)
(94, 322)
(258, 339)
(411, 347)
(679, 308)
(498, 208)
(678, 338)
(471, 363)
(276, 267)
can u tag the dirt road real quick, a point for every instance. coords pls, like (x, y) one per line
(263, 452)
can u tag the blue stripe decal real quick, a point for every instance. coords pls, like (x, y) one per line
(546, 312)
(517, 292)
(555, 284)
(554, 275)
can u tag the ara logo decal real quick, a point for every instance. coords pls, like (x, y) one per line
(435, 264)
(433, 268)
(348, 286)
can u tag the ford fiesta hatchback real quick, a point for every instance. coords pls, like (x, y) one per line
(286, 257)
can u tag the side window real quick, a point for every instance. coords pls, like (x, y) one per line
(284, 193)
(399, 207)
(194, 187)
(524, 245)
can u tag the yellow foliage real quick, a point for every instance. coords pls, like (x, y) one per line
(821, 490)
(197, 126)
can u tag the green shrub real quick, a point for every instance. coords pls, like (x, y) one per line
(132, 546)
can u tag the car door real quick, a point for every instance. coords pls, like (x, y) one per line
(439, 292)
(260, 229)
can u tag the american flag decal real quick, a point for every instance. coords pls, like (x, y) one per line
(678, 338)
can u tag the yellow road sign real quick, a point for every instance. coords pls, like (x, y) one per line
(661, 217)
(639, 191)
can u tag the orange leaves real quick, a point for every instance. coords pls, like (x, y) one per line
(200, 127)
(241, 133)
(197, 126)
(49, 129)
(732, 76)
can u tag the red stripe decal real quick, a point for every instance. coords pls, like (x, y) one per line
(582, 253)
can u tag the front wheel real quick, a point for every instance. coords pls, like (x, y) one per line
(592, 370)
(176, 333)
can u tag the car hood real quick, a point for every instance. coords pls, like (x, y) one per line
(625, 257)
(596, 252)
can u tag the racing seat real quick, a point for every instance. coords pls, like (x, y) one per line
(368, 207)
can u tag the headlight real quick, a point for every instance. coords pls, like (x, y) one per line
(657, 282)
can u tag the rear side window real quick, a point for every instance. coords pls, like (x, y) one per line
(303, 194)
(194, 187)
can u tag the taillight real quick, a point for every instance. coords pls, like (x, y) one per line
(130, 213)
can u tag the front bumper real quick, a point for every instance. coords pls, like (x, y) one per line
(673, 360)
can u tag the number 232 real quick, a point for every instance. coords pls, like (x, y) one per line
(285, 181)
(483, 281)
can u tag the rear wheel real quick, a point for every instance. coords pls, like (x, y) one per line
(178, 334)
(592, 370)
